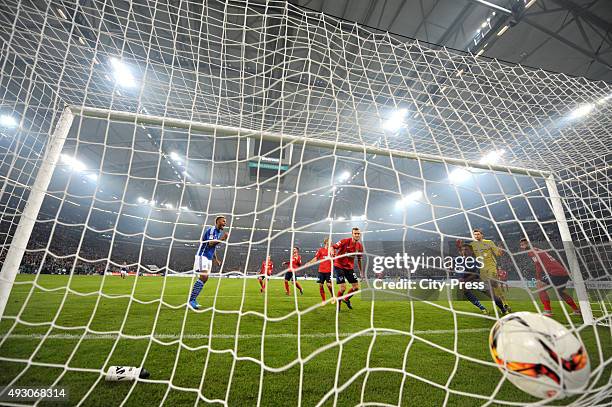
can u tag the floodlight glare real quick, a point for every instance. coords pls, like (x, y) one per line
(582, 111)
(142, 200)
(396, 120)
(492, 158)
(122, 74)
(93, 177)
(340, 218)
(411, 197)
(8, 121)
(169, 206)
(174, 156)
(344, 176)
(459, 175)
(73, 163)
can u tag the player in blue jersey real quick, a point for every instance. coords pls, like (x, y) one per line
(204, 257)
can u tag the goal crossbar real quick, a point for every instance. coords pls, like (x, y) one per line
(139, 118)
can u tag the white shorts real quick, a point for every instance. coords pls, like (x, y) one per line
(123, 272)
(202, 264)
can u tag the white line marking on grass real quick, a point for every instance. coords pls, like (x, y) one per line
(113, 336)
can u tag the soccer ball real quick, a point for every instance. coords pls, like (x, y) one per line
(539, 355)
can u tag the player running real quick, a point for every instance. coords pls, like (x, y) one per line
(488, 252)
(345, 252)
(549, 272)
(203, 260)
(266, 270)
(324, 255)
(294, 264)
(124, 270)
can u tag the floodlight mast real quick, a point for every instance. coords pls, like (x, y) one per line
(32, 207)
(56, 144)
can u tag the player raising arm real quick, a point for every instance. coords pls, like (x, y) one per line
(324, 255)
(345, 252)
(294, 264)
(549, 271)
(266, 270)
(203, 260)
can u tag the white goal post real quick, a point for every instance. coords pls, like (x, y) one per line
(26, 224)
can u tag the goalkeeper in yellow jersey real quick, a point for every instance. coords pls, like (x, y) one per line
(488, 252)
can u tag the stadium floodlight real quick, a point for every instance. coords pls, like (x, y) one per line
(8, 121)
(492, 157)
(73, 163)
(123, 75)
(411, 197)
(142, 200)
(459, 175)
(396, 120)
(340, 218)
(344, 176)
(184, 208)
(92, 177)
(174, 156)
(169, 205)
(582, 111)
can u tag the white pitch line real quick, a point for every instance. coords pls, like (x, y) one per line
(242, 336)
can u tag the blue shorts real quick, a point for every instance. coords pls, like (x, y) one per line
(345, 274)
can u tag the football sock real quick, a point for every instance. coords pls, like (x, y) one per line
(350, 293)
(470, 296)
(545, 300)
(569, 300)
(322, 292)
(195, 291)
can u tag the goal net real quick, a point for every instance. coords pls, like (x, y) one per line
(127, 127)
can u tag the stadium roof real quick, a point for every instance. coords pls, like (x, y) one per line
(569, 36)
(290, 70)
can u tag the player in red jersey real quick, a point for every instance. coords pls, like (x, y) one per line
(549, 271)
(502, 276)
(324, 255)
(266, 270)
(345, 252)
(294, 264)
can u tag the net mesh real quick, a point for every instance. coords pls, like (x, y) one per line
(354, 117)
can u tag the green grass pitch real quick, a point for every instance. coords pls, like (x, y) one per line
(219, 350)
